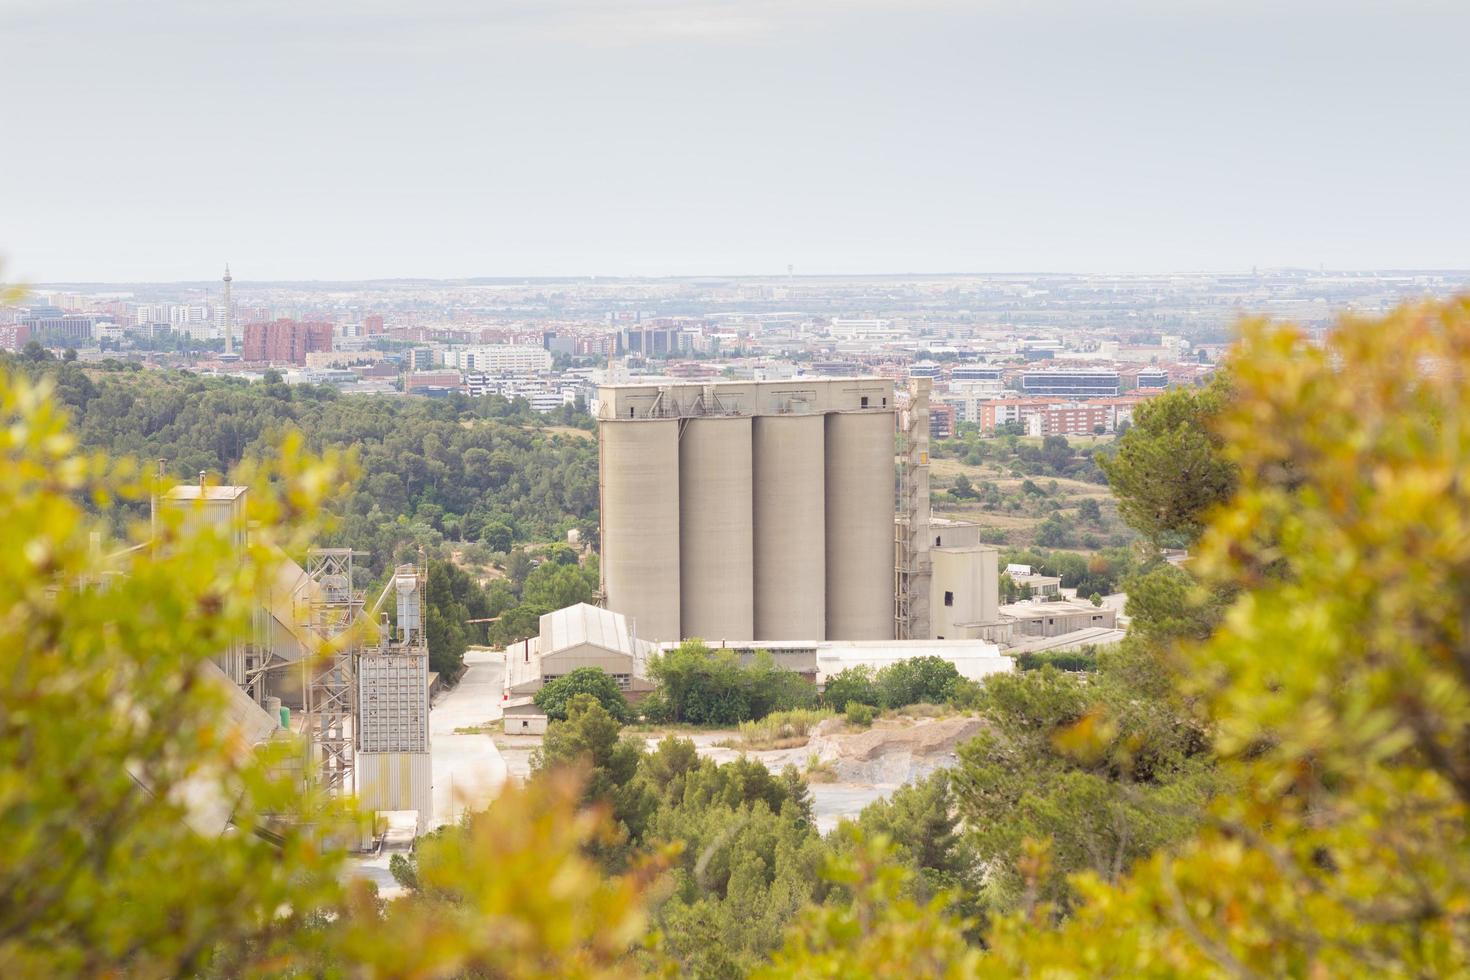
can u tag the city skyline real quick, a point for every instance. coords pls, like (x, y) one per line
(357, 142)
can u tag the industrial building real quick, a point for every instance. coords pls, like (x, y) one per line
(359, 686)
(586, 636)
(569, 638)
(750, 510)
(964, 591)
(791, 510)
(1057, 618)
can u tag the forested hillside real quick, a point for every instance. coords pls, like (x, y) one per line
(473, 470)
(474, 485)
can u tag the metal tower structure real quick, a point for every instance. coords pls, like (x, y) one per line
(330, 686)
(912, 565)
(393, 677)
(393, 766)
(229, 308)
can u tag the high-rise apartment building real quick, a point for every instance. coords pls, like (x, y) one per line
(285, 341)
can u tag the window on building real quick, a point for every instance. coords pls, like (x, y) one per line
(949, 598)
(936, 540)
(864, 401)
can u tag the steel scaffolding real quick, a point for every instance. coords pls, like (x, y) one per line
(912, 568)
(331, 685)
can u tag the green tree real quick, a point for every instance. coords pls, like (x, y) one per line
(445, 616)
(1343, 852)
(882, 931)
(590, 741)
(594, 681)
(1170, 470)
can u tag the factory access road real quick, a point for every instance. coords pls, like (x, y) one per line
(468, 769)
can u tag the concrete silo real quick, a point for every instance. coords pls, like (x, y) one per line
(790, 528)
(860, 536)
(716, 565)
(640, 523)
(750, 510)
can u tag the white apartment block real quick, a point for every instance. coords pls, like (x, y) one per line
(499, 359)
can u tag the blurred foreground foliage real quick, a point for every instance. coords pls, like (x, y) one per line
(1337, 684)
(145, 836)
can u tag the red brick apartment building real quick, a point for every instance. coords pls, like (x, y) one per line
(285, 341)
(1051, 417)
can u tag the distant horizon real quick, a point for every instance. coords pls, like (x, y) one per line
(239, 280)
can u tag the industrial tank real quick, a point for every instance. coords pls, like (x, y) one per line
(640, 523)
(860, 507)
(790, 528)
(716, 563)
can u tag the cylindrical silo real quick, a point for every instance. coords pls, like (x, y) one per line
(716, 557)
(860, 502)
(640, 523)
(790, 528)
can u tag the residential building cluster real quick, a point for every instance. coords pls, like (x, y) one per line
(1039, 354)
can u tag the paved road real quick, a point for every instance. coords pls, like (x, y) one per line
(468, 769)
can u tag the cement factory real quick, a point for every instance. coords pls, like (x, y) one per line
(794, 510)
(790, 517)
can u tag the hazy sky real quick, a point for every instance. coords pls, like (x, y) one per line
(299, 139)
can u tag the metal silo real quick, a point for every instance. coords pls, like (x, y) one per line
(790, 528)
(860, 504)
(640, 523)
(716, 564)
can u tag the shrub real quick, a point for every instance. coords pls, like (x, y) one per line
(846, 686)
(780, 729)
(1069, 660)
(860, 715)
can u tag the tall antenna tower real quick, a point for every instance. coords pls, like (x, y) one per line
(229, 314)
